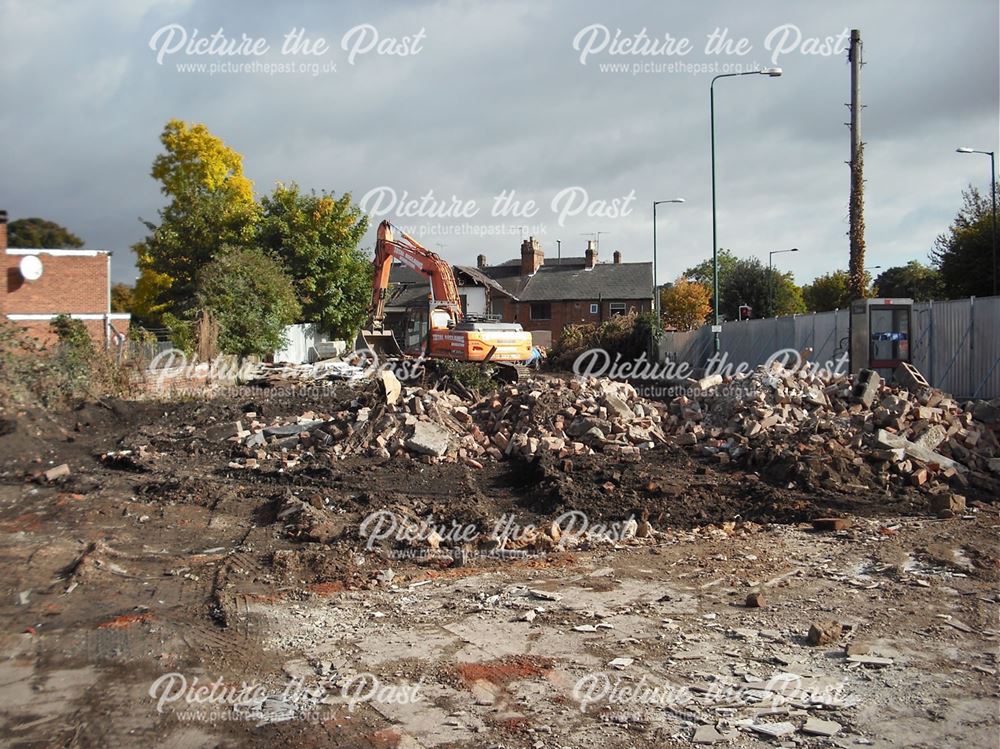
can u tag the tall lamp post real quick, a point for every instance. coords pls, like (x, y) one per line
(656, 288)
(770, 278)
(993, 191)
(773, 73)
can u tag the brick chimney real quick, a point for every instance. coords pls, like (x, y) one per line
(591, 253)
(532, 257)
(481, 261)
(3, 231)
(618, 257)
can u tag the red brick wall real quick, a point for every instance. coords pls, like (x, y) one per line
(41, 330)
(568, 313)
(69, 284)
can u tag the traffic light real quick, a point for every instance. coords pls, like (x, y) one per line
(745, 311)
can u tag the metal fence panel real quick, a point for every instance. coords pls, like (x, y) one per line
(951, 346)
(986, 377)
(956, 343)
(964, 347)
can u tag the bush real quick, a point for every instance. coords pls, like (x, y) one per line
(74, 356)
(628, 335)
(252, 299)
(471, 375)
(181, 332)
(72, 370)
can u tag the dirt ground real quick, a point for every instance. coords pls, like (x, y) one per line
(141, 592)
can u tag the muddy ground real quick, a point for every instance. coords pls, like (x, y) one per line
(167, 564)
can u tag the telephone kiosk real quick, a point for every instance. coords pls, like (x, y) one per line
(880, 334)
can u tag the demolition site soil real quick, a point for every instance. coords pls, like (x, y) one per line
(171, 561)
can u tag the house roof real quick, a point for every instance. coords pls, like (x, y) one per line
(568, 260)
(571, 280)
(409, 296)
(410, 287)
(481, 279)
(568, 280)
(401, 274)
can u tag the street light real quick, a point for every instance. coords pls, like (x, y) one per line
(993, 191)
(770, 278)
(656, 295)
(771, 73)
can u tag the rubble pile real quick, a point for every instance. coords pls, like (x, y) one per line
(571, 418)
(803, 426)
(836, 431)
(564, 418)
(268, 374)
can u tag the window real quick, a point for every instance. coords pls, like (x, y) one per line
(498, 307)
(541, 311)
(617, 308)
(594, 309)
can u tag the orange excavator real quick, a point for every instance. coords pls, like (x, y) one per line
(451, 335)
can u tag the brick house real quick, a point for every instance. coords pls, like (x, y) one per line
(548, 297)
(40, 284)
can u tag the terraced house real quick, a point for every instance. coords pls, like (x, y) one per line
(546, 297)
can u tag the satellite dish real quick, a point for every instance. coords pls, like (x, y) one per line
(31, 267)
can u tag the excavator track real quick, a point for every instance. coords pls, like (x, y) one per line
(511, 373)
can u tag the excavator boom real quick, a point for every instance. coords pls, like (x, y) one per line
(412, 254)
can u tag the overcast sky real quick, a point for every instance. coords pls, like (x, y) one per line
(517, 96)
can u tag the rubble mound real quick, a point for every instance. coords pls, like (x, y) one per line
(837, 431)
(561, 418)
(808, 428)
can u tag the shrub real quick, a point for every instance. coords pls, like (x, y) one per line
(471, 375)
(628, 335)
(72, 370)
(252, 299)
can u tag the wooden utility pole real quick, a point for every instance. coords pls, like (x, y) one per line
(856, 269)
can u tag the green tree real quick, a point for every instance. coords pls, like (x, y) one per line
(702, 273)
(37, 233)
(315, 238)
(252, 299)
(788, 299)
(832, 291)
(73, 355)
(827, 292)
(211, 208)
(769, 293)
(913, 280)
(747, 281)
(121, 297)
(964, 254)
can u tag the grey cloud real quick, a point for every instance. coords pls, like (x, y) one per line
(498, 100)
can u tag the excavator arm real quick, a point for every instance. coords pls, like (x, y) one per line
(503, 344)
(408, 251)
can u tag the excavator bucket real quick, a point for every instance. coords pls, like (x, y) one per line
(380, 342)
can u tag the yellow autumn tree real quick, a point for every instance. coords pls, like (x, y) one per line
(196, 160)
(211, 210)
(685, 304)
